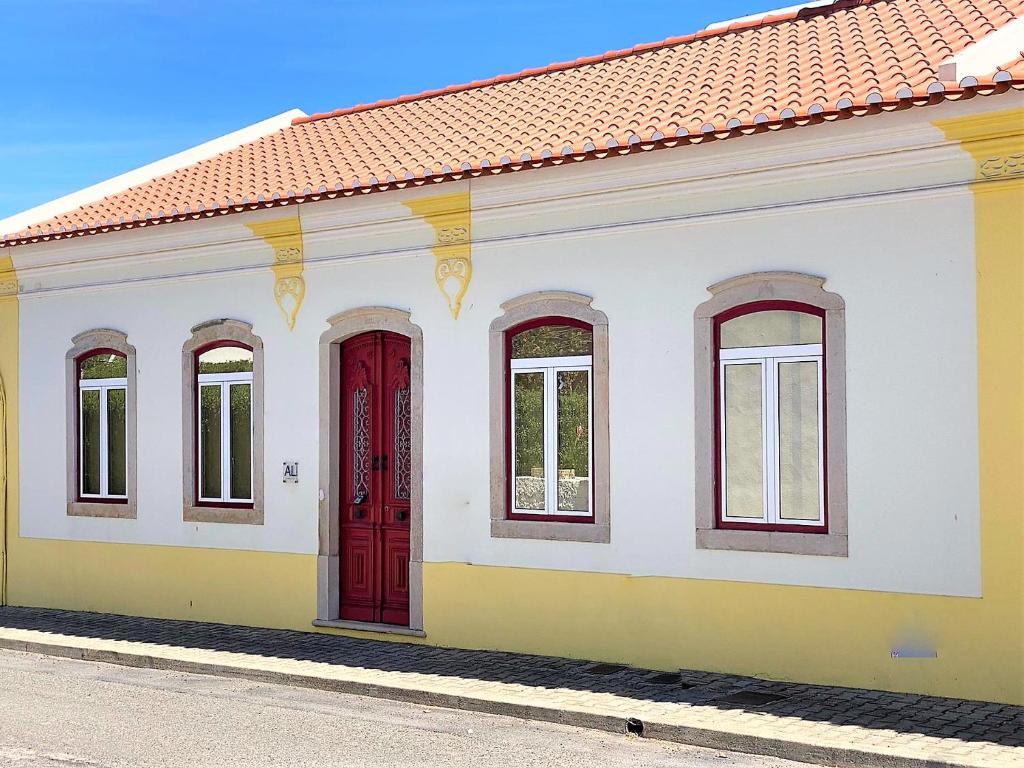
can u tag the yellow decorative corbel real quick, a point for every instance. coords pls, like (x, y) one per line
(995, 141)
(285, 237)
(449, 215)
(8, 277)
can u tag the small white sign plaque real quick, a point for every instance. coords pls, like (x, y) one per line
(291, 472)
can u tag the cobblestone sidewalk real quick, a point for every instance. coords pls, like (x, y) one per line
(832, 726)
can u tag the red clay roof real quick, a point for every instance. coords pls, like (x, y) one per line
(850, 58)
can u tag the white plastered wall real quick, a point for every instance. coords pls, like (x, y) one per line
(903, 263)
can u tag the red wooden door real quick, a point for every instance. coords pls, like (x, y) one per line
(376, 478)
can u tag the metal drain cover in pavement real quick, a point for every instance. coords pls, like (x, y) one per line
(750, 698)
(604, 669)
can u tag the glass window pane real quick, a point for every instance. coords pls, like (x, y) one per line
(528, 426)
(226, 360)
(744, 448)
(403, 444)
(573, 394)
(117, 456)
(90, 437)
(360, 445)
(771, 328)
(209, 441)
(553, 341)
(241, 441)
(104, 366)
(798, 441)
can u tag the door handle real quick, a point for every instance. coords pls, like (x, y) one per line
(400, 515)
(359, 513)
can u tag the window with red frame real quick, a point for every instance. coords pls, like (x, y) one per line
(549, 420)
(770, 417)
(224, 429)
(102, 426)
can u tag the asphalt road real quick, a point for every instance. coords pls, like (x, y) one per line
(60, 713)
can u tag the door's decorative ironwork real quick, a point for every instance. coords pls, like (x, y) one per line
(361, 443)
(403, 443)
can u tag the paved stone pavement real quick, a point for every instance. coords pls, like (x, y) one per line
(826, 725)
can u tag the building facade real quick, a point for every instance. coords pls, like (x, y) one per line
(754, 406)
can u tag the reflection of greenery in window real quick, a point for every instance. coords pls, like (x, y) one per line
(226, 360)
(91, 442)
(552, 341)
(104, 366)
(574, 422)
(241, 441)
(529, 423)
(117, 484)
(210, 434)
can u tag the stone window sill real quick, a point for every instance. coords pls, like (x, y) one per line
(820, 544)
(101, 509)
(365, 626)
(233, 515)
(593, 533)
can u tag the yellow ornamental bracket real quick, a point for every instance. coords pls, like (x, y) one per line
(449, 215)
(995, 140)
(285, 237)
(8, 278)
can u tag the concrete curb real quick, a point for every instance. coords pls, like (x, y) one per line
(698, 737)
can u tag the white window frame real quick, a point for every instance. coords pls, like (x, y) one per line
(769, 359)
(103, 386)
(225, 382)
(551, 367)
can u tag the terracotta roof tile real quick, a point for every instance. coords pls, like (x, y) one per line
(852, 57)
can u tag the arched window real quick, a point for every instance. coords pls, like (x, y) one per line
(550, 419)
(222, 424)
(101, 425)
(770, 417)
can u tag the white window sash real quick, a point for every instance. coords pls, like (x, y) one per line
(224, 381)
(553, 366)
(771, 454)
(542, 363)
(103, 386)
(763, 353)
(220, 378)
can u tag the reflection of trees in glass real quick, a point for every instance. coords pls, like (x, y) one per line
(226, 366)
(104, 366)
(91, 442)
(210, 434)
(241, 441)
(552, 341)
(116, 450)
(529, 422)
(574, 422)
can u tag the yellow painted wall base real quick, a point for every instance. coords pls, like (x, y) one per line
(829, 636)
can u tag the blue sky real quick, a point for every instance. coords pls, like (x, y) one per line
(93, 88)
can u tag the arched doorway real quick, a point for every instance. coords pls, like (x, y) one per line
(379, 350)
(376, 478)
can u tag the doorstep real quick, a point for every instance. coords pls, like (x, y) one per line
(817, 724)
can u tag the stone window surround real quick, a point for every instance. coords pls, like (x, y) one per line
(101, 338)
(735, 292)
(203, 335)
(344, 326)
(517, 311)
